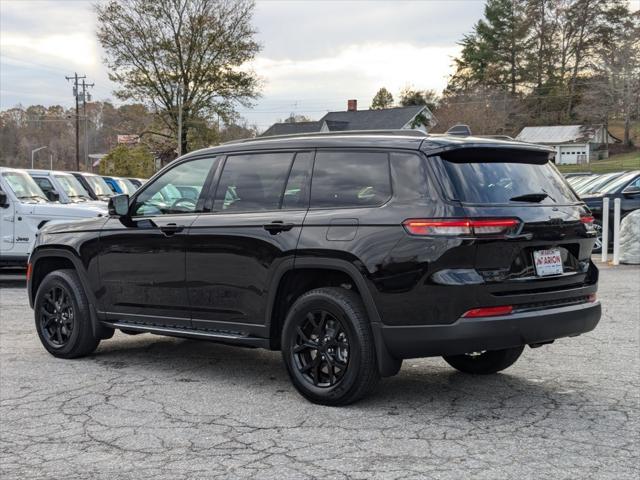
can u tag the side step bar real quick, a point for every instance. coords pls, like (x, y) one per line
(220, 337)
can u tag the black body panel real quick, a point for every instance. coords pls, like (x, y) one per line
(218, 275)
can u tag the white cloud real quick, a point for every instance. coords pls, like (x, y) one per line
(53, 49)
(316, 53)
(360, 69)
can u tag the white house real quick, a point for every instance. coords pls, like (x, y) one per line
(573, 143)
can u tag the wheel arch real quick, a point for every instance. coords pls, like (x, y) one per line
(44, 260)
(308, 273)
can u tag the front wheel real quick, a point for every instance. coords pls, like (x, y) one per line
(484, 363)
(328, 347)
(62, 316)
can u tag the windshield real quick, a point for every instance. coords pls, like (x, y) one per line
(73, 188)
(98, 185)
(614, 185)
(507, 182)
(24, 187)
(125, 185)
(597, 183)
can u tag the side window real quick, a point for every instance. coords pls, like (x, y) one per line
(252, 182)
(350, 179)
(634, 184)
(296, 195)
(44, 184)
(176, 191)
(410, 177)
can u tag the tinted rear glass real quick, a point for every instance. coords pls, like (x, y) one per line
(488, 181)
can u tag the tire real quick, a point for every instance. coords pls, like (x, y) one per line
(328, 347)
(597, 225)
(62, 316)
(485, 363)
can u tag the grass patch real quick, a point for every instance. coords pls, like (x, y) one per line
(616, 163)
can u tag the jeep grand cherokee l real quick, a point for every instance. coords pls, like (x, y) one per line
(347, 252)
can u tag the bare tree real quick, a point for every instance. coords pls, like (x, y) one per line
(185, 58)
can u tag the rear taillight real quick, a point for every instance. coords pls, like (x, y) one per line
(587, 221)
(462, 226)
(488, 311)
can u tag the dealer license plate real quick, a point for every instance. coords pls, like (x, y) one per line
(548, 262)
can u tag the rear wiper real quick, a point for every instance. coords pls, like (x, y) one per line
(530, 197)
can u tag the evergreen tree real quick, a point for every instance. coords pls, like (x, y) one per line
(494, 53)
(382, 99)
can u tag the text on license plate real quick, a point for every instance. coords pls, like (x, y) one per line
(548, 262)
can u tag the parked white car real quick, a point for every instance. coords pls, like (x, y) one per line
(24, 209)
(63, 187)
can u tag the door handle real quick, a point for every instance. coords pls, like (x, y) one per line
(171, 229)
(278, 226)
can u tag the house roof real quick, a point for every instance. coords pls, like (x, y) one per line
(387, 118)
(558, 134)
(292, 128)
(381, 119)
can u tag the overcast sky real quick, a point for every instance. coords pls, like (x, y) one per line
(316, 54)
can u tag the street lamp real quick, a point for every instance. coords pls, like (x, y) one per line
(33, 152)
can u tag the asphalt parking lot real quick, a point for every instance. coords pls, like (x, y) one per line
(149, 407)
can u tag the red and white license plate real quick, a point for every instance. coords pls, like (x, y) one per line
(548, 262)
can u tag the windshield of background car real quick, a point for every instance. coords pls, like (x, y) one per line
(599, 182)
(99, 186)
(125, 185)
(616, 184)
(73, 188)
(494, 178)
(24, 187)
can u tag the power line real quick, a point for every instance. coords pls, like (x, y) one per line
(78, 96)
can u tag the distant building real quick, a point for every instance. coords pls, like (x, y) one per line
(574, 144)
(417, 117)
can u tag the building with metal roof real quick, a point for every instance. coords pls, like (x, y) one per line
(574, 144)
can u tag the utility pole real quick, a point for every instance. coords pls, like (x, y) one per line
(75, 79)
(86, 97)
(179, 100)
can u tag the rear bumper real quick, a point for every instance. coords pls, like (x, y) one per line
(490, 333)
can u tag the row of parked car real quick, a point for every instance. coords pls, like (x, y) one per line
(594, 188)
(31, 198)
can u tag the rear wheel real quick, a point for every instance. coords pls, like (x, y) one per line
(484, 363)
(62, 316)
(597, 246)
(328, 347)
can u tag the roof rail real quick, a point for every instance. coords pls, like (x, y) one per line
(399, 132)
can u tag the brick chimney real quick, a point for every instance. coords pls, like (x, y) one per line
(352, 105)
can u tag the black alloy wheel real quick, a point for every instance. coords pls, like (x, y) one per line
(321, 349)
(57, 317)
(328, 347)
(63, 316)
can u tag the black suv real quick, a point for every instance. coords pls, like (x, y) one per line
(348, 252)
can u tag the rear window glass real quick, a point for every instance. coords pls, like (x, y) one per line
(489, 181)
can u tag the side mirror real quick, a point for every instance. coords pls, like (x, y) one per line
(119, 205)
(631, 191)
(3, 200)
(53, 196)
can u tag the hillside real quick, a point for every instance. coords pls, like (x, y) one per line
(623, 161)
